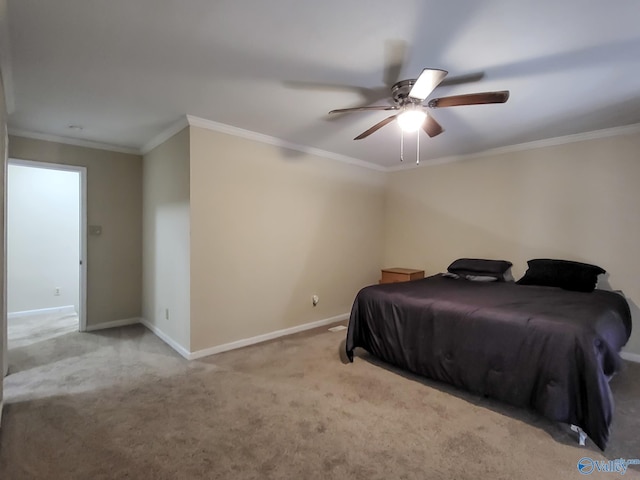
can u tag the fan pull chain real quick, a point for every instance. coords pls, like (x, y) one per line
(401, 145)
(417, 148)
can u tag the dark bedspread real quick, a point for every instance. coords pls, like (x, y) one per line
(537, 347)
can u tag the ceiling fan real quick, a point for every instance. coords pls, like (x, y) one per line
(408, 96)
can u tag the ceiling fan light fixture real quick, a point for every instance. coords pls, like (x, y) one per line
(411, 120)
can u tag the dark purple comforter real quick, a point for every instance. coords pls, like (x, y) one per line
(543, 348)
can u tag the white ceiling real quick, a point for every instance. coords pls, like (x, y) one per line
(125, 70)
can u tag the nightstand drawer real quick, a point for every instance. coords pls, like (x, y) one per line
(395, 275)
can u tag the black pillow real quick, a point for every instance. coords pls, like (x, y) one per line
(575, 276)
(480, 267)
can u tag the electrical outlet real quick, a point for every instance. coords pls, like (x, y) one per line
(56, 292)
(166, 313)
(95, 229)
(315, 299)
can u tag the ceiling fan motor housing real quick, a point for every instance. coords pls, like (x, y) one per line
(400, 93)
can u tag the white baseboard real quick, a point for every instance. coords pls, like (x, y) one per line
(166, 338)
(631, 357)
(239, 343)
(263, 338)
(115, 323)
(65, 310)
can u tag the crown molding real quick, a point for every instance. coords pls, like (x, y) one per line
(278, 142)
(165, 135)
(520, 147)
(190, 120)
(72, 141)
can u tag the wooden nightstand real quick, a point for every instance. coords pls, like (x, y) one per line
(395, 275)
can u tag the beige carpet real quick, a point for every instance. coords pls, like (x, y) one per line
(120, 404)
(25, 331)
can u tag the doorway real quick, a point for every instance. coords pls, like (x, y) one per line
(46, 250)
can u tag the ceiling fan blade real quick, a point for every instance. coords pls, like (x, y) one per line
(377, 126)
(368, 95)
(431, 126)
(470, 99)
(429, 79)
(365, 109)
(461, 79)
(395, 53)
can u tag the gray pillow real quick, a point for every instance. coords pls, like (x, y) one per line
(473, 278)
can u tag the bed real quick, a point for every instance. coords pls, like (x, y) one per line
(539, 347)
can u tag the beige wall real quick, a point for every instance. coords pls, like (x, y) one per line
(166, 283)
(4, 362)
(272, 228)
(114, 201)
(577, 201)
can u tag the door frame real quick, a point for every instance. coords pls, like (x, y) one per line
(82, 301)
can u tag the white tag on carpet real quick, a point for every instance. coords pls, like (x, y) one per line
(337, 328)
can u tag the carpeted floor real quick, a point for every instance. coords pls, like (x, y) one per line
(121, 404)
(26, 331)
